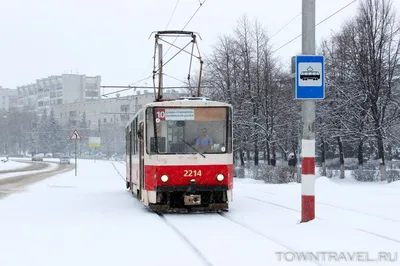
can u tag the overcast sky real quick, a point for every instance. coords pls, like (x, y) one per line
(110, 37)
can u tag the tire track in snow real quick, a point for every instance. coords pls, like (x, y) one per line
(184, 238)
(360, 212)
(271, 203)
(332, 206)
(338, 207)
(378, 235)
(317, 218)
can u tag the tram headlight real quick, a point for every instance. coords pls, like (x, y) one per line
(220, 177)
(164, 178)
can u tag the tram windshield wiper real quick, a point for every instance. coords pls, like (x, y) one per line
(193, 148)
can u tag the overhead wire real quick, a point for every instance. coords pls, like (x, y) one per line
(173, 12)
(151, 60)
(284, 26)
(187, 23)
(325, 19)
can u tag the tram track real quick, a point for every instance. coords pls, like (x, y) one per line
(225, 217)
(178, 232)
(186, 240)
(116, 169)
(318, 218)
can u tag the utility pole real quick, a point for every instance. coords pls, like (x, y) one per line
(308, 120)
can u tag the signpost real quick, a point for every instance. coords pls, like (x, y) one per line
(94, 142)
(309, 77)
(309, 85)
(75, 136)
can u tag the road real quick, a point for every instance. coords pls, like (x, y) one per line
(17, 183)
(33, 166)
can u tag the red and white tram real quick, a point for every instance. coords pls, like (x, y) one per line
(179, 155)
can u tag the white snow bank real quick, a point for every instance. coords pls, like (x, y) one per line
(395, 184)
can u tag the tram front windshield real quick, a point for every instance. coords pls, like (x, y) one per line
(188, 130)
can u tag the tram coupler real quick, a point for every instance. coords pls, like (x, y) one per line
(192, 185)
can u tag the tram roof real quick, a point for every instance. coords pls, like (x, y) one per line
(188, 101)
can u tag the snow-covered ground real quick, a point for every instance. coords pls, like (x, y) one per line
(91, 219)
(11, 165)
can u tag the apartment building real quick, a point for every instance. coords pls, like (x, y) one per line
(8, 99)
(108, 111)
(56, 90)
(105, 118)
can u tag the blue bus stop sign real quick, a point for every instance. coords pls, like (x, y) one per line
(310, 77)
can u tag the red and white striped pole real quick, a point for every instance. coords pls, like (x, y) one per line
(307, 180)
(308, 118)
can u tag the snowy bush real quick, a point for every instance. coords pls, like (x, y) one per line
(393, 164)
(365, 175)
(392, 175)
(371, 165)
(329, 172)
(332, 163)
(332, 173)
(239, 172)
(349, 163)
(277, 174)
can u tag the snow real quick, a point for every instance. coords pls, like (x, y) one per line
(91, 219)
(11, 165)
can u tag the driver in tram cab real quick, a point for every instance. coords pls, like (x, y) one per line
(204, 142)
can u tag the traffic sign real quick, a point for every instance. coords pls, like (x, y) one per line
(94, 142)
(310, 77)
(75, 135)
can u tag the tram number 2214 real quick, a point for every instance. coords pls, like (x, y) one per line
(192, 173)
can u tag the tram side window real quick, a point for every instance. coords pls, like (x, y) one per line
(229, 125)
(127, 131)
(134, 137)
(137, 140)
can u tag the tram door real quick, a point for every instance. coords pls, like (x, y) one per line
(141, 161)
